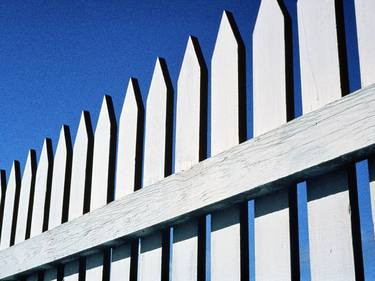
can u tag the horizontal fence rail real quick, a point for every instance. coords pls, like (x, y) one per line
(314, 144)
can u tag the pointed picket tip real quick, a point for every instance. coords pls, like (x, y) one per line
(270, 15)
(228, 36)
(14, 172)
(107, 118)
(133, 98)
(160, 83)
(64, 142)
(84, 130)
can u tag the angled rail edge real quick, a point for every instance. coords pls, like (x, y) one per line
(316, 143)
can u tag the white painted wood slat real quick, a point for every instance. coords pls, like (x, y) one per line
(329, 219)
(60, 178)
(365, 11)
(80, 181)
(225, 133)
(190, 92)
(128, 168)
(42, 184)
(102, 189)
(10, 207)
(27, 184)
(271, 212)
(155, 150)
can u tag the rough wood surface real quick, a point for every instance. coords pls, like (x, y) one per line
(60, 178)
(311, 145)
(190, 113)
(226, 89)
(329, 221)
(10, 206)
(42, 184)
(271, 212)
(27, 184)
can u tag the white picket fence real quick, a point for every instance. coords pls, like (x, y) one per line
(159, 232)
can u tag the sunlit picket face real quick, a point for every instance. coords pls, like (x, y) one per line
(160, 231)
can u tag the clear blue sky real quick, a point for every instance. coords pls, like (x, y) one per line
(60, 57)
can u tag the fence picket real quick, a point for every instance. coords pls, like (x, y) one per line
(10, 207)
(129, 168)
(60, 187)
(365, 11)
(102, 189)
(190, 148)
(80, 182)
(27, 187)
(228, 109)
(50, 275)
(271, 212)
(329, 222)
(157, 164)
(42, 185)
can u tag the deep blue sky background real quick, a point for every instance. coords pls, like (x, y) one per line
(60, 57)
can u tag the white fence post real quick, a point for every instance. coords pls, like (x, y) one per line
(102, 189)
(329, 215)
(157, 131)
(27, 188)
(128, 177)
(271, 96)
(227, 98)
(191, 111)
(10, 207)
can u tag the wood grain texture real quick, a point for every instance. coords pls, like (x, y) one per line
(190, 114)
(10, 207)
(225, 133)
(155, 164)
(61, 174)
(27, 185)
(81, 167)
(102, 189)
(329, 222)
(42, 185)
(365, 19)
(129, 168)
(271, 212)
(306, 147)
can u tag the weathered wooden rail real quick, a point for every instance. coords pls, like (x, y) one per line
(109, 208)
(314, 144)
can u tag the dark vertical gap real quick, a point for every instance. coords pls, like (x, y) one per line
(112, 150)
(134, 253)
(60, 272)
(166, 243)
(82, 269)
(68, 174)
(32, 192)
(356, 224)
(202, 257)
(89, 161)
(140, 136)
(49, 182)
(245, 250)
(166, 246)
(3, 192)
(203, 111)
(17, 174)
(341, 43)
(290, 113)
(40, 276)
(106, 264)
